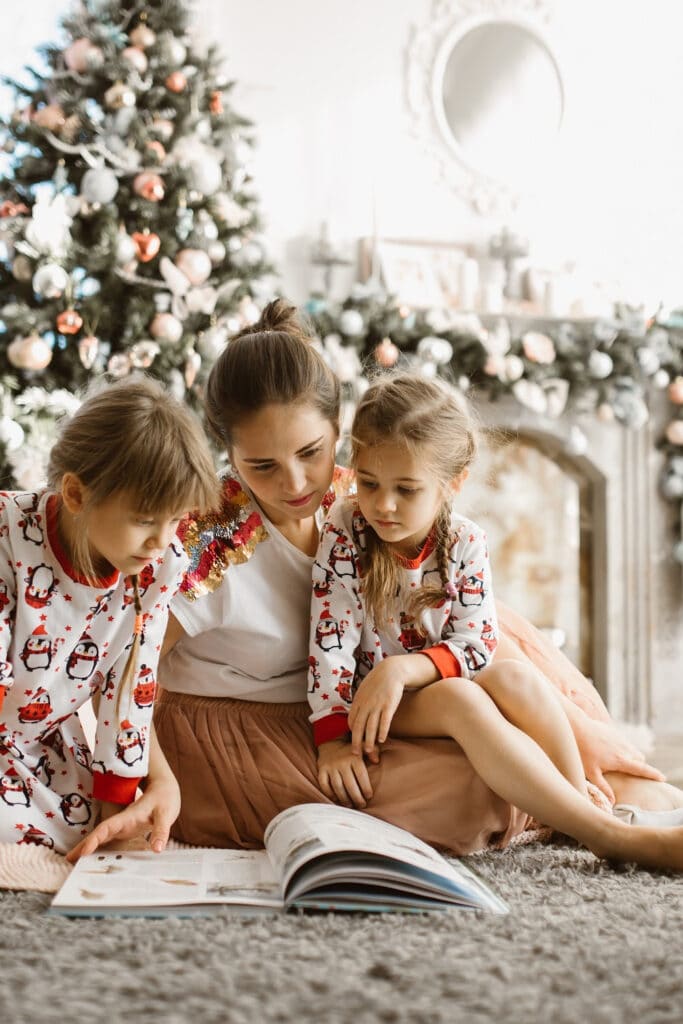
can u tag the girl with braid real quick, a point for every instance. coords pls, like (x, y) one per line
(88, 566)
(402, 597)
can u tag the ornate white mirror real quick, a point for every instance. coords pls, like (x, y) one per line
(487, 96)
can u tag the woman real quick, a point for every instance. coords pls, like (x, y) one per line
(233, 719)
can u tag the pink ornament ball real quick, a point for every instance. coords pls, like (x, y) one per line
(136, 58)
(166, 327)
(675, 391)
(674, 432)
(386, 353)
(149, 186)
(29, 353)
(176, 82)
(195, 264)
(76, 54)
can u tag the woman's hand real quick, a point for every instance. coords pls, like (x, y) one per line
(343, 775)
(603, 749)
(153, 813)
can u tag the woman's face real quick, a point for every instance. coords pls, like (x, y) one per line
(285, 455)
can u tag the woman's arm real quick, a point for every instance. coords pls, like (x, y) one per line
(174, 631)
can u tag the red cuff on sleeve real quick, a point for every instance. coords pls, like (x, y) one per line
(3, 691)
(445, 661)
(333, 727)
(114, 789)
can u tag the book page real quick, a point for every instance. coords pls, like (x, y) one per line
(140, 878)
(308, 831)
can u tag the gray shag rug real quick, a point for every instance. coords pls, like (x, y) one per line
(583, 942)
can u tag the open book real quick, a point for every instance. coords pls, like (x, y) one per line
(317, 856)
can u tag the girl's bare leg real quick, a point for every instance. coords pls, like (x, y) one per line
(516, 768)
(522, 694)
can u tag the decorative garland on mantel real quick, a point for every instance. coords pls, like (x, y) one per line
(610, 369)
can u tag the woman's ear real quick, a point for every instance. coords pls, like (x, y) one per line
(459, 480)
(74, 493)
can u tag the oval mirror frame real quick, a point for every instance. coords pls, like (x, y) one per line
(462, 141)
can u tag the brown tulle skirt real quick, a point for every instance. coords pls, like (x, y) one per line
(241, 762)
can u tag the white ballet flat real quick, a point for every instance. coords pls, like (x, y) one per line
(654, 819)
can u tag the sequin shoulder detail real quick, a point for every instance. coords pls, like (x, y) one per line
(218, 539)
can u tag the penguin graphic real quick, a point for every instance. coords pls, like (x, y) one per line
(475, 659)
(410, 637)
(358, 525)
(129, 743)
(7, 743)
(36, 837)
(75, 809)
(82, 661)
(143, 694)
(345, 685)
(341, 560)
(43, 772)
(471, 592)
(41, 585)
(53, 739)
(31, 528)
(488, 636)
(322, 580)
(81, 753)
(327, 632)
(38, 707)
(4, 597)
(37, 651)
(313, 674)
(13, 790)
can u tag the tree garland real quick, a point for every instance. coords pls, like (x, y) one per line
(609, 369)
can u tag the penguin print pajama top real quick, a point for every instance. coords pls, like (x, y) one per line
(63, 640)
(459, 635)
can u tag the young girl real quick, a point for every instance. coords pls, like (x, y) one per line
(402, 588)
(88, 567)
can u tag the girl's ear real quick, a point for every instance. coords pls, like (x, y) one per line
(74, 493)
(459, 480)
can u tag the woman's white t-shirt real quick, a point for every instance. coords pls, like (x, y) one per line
(246, 615)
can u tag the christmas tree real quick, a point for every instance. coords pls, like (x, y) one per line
(128, 225)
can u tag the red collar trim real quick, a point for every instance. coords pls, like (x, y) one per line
(424, 553)
(51, 514)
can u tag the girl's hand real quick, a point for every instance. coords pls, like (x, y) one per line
(153, 813)
(604, 749)
(343, 775)
(374, 706)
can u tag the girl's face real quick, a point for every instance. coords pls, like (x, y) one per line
(399, 497)
(285, 455)
(126, 539)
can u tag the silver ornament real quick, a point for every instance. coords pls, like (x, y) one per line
(99, 185)
(50, 281)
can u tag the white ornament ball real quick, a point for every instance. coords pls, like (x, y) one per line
(217, 252)
(143, 36)
(50, 281)
(672, 487)
(119, 365)
(166, 327)
(514, 368)
(600, 364)
(648, 361)
(99, 185)
(205, 175)
(126, 250)
(11, 433)
(76, 54)
(674, 431)
(29, 353)
(211, 343)
(661, 379)
(577, 442)
(173, 52)
(194, 264)
(136, 58)
(143, 353)
(436, 350)
(351, 323)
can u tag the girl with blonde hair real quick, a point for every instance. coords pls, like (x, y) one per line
(88, 566)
